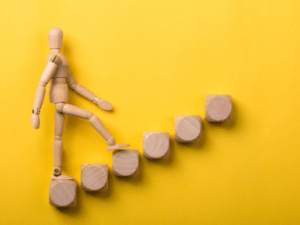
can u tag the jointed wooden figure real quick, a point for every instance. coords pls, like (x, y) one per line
(57, 70)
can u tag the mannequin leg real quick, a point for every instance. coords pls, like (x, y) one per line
(62, 190)
(93, 119)
(57, 143)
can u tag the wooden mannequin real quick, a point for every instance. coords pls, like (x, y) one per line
(57, 70)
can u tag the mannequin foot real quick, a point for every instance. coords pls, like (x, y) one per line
(61, 177)
(116, 146)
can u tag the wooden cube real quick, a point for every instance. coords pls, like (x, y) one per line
(62, 192)
(156, 145)
(125, 162)
(218, 108)
(94, 177)
(188, 128)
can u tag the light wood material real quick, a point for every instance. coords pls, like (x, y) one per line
(62, 192)
(58, 91)
(57, 143)
(93, 119)
(99, 126)
(59, 125)
(35, 121)
(156, 145)
(75, 111)
(188, 128)
(116, 146)
(103, 104)
(218, 108)
(57, 153)
(45, 78)
(79, 88)
(94, 177)
(55, 38)
(49, 71)
(61, 177)
(125, 162)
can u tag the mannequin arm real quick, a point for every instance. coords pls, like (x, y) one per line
(41, 89)
(87, 93)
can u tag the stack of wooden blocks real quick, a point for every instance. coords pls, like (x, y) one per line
(156, 145)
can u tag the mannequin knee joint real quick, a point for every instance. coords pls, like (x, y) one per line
(59, 107)
(90, 115)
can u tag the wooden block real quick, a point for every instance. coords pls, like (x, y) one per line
(125, 162)
(62, 192)
(188, 128)
(218, 108)
(94, 177)
(156, 145)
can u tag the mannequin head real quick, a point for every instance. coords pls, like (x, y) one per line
(55, 38)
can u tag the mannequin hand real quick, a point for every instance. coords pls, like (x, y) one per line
(35, 121)
(105, 105)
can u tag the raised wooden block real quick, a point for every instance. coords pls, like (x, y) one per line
(125, 162)
(218, 108)
(94, 177)
(188, 128)
(62, 192)
(156, 145)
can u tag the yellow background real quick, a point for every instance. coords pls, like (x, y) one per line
(153, 60)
